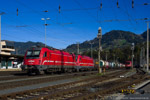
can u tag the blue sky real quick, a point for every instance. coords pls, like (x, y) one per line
(85, 16)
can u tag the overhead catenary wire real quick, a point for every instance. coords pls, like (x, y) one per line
(129, 16)
(81, 8)
(35, 12)
(31, 29)
(61, 23)
(41, 14)
(86, 10)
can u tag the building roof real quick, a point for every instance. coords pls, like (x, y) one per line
(8, 43)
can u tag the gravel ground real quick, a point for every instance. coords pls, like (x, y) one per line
(142, 93)
(146, 88)
(41, 85)
(17, 69)
(7, 91)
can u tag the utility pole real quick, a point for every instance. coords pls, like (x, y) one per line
(142, 58)
(0, 35)
(0, 29)
(132, 48)
(16, 51)
(45, 27)
(106, 55)
(78, 52)
(148, 46)
(99, 36)
(91, 49)
(0, 40)
(114, 58)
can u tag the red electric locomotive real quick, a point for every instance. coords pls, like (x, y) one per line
(39, 60)
(85, 63)
(128, 64)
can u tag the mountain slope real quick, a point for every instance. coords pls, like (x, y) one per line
(144, 35)
(112, 39)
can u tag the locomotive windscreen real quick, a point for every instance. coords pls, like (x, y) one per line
(33, 53)
(127, 62)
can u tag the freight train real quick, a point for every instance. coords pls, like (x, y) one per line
(41, 60)
(107, 64)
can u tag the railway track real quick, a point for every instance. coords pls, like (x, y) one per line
(116, 86)
(57, 90)
(40, 79)
(16, 75)
(14, 81)
(11, 73)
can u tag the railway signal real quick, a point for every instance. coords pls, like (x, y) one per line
(132, 48)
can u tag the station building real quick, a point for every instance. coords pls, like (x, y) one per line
(7, 58)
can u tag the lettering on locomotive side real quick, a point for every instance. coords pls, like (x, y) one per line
(31, 61)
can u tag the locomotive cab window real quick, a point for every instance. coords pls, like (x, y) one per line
(33, 53)
(29, 53)
(76, 57)
(80, 59)
(45, 54)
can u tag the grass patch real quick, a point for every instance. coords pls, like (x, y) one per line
(100, 74)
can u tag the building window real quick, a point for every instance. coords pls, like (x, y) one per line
(5, 46)
(3, 64)
(9, 63)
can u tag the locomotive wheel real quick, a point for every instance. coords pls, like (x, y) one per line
(30, 73)
(69, 70)
(63, 70)
(46, 72)
(39, 72)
